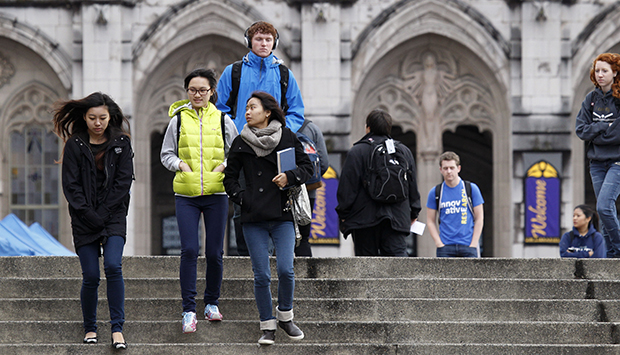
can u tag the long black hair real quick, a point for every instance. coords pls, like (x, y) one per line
(589, 212)
(69, 119)
(69, 116)
(270, 104)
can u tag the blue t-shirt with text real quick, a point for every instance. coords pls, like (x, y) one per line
(457, 220)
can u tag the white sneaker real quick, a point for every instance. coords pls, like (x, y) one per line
(189, 322)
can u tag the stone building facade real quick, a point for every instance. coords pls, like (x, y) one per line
(498, 81)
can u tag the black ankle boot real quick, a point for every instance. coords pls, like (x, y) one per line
(268, 338)
(291, 330)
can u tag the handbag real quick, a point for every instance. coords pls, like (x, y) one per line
(300, 203)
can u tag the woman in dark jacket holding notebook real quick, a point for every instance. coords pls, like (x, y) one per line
(265, 211)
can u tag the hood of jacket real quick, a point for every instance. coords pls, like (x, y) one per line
(590, 232)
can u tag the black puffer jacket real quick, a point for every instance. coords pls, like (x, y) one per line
(356, 209)
(262, 200)
(97, 214)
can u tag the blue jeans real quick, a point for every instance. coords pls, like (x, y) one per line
(112, 264)
(606, 183)
(257, 236)
(214, 209)
(457, 251)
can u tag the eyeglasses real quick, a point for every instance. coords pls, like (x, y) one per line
(202, 91)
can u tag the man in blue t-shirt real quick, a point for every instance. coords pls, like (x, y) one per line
(460, 224)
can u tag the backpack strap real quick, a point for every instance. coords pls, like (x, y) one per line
(303, 125)
(438, 190)
(470, 203)
(283, 87)
(235, 79)
(223, 128)
(178, 130)
(571, 236)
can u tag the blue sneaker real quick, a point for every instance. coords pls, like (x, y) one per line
(189, 322)
(212, 313)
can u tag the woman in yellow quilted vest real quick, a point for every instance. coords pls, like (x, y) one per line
(195, 147)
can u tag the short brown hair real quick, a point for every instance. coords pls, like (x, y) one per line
(261, 27)
(448, 155)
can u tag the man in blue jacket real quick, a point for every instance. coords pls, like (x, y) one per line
(259, 70)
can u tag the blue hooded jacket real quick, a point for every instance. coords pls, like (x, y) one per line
(592, 240)
(260, 74)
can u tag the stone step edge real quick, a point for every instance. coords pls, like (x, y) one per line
(342, 300)
(296, 345)
(330, 322)
(249, 278)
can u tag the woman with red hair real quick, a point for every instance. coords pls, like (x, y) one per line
(598, 125)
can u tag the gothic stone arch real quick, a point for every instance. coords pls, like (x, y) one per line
(41, 44)
(470, 84)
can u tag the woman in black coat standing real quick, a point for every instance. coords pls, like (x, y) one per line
(97, 172)
(265, 211)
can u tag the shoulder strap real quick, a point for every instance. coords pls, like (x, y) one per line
(470, 203)
(437, 194)
(283, 87)
(303, 125)
(235, 79)
(178, 130)
(571, 236)
(223, 128)
(438, 189)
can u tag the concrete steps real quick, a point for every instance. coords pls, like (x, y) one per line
(344, 306)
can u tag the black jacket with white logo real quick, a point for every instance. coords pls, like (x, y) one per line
(97, 213)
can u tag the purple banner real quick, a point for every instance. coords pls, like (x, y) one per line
(324, 228)
(542, 205)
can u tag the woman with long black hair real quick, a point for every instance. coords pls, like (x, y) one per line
(97, 173)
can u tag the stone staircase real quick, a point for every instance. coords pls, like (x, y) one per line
(344, 305)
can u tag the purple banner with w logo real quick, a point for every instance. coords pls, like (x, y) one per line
(542, 204)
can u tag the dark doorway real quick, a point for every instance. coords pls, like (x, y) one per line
(476, 152)
(409, 139)
(163, 218)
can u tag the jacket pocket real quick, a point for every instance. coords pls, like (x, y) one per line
(187, 183)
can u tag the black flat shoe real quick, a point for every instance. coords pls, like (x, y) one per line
(119, 345)
(90, 340)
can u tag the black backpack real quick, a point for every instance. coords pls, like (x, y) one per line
(439, 189)
(235, 75)
(386, 178)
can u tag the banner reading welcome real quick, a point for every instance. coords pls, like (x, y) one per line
(542, 204)
(324, 228)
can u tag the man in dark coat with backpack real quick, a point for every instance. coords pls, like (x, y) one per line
(378, 196)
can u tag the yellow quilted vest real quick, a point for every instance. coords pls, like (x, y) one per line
(201, 146)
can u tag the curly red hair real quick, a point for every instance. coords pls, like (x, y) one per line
(262, 27)
(613, 60)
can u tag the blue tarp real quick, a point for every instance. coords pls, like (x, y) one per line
(17, 239)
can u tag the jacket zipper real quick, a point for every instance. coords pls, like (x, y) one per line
(202, 188)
